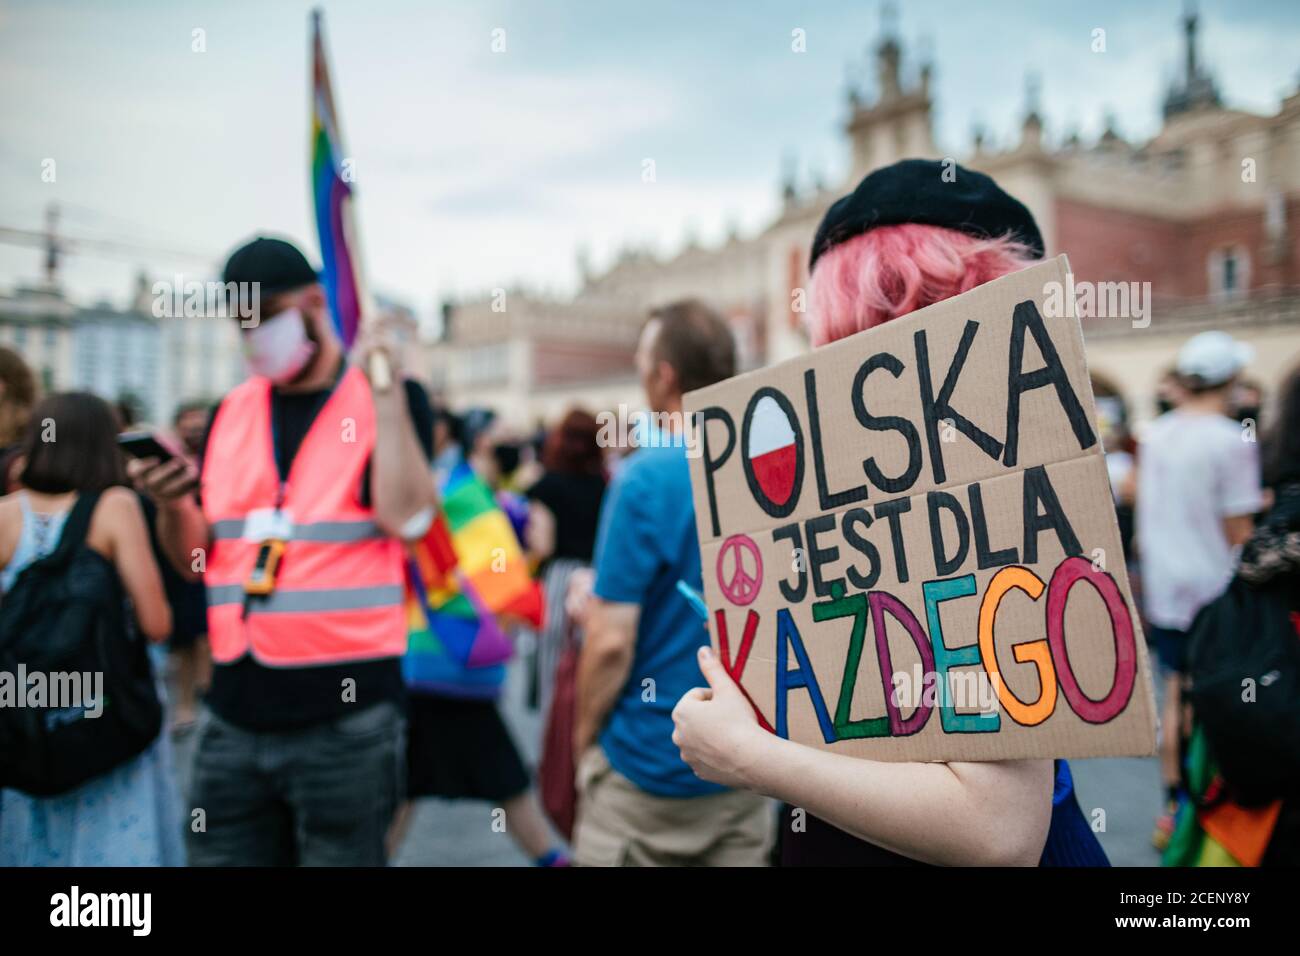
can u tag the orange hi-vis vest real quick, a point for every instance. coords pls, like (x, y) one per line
(338, 593)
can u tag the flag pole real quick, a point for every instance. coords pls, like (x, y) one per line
(379, 368)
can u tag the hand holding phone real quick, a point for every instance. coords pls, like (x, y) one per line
(156, 468)
(145, 445)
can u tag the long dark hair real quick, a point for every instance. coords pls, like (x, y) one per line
(573, 446)
(71, 445)
(1281, 451)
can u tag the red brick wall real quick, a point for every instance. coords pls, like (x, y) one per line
(1246, 228)
(1110, 245)
(555, 363)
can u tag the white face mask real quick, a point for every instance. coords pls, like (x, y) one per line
(278, 347)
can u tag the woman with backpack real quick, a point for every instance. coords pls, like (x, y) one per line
(73, 502)
(1241, 769)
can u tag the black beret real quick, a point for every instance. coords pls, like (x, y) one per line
(278, 265)
(915, 190)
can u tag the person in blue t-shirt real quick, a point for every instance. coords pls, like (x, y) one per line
(638, 801)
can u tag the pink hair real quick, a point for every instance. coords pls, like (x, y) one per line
(893, 270)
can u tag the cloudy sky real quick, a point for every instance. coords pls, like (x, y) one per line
(477, 168)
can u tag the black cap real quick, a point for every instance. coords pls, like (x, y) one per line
(278, 265)
(916, 191)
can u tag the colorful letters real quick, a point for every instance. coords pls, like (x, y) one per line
(1048, 654)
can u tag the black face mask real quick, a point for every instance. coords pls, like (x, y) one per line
(507, 458)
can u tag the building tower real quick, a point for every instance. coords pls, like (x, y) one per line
(896, 123)
(1196, 88)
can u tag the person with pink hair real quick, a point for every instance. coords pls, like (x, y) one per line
(910, 235)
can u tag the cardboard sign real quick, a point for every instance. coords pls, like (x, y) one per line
(909, 544)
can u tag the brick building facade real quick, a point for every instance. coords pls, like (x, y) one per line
(1207, 212)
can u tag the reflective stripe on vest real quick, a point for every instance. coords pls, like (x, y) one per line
(232, 529)
(339, 585)
(301, 602)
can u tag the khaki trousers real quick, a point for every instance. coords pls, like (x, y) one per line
(619, 824)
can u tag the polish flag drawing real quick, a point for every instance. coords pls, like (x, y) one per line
(772, 452)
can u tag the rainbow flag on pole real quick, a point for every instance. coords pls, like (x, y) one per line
(332, 198)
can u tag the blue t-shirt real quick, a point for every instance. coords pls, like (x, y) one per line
(645, 544)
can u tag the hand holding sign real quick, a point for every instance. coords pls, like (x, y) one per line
(715, 727)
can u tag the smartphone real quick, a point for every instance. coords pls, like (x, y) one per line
(145, 445)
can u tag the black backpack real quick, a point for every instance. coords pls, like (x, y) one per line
(1249, 632)
(68, 613)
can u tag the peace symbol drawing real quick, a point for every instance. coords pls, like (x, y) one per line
(740, 569)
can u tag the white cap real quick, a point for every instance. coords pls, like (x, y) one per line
(1214, 357)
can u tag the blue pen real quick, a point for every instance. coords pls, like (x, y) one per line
(694, 599)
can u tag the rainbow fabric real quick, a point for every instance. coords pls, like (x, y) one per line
(466, 576)
(332, 196)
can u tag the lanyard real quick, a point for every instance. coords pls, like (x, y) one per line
(322, 397)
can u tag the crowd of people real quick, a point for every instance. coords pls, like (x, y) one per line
(264, 542)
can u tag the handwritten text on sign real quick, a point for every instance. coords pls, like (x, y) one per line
(909, 542)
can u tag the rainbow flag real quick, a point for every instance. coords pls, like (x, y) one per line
(332, 198)
(466, 577)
